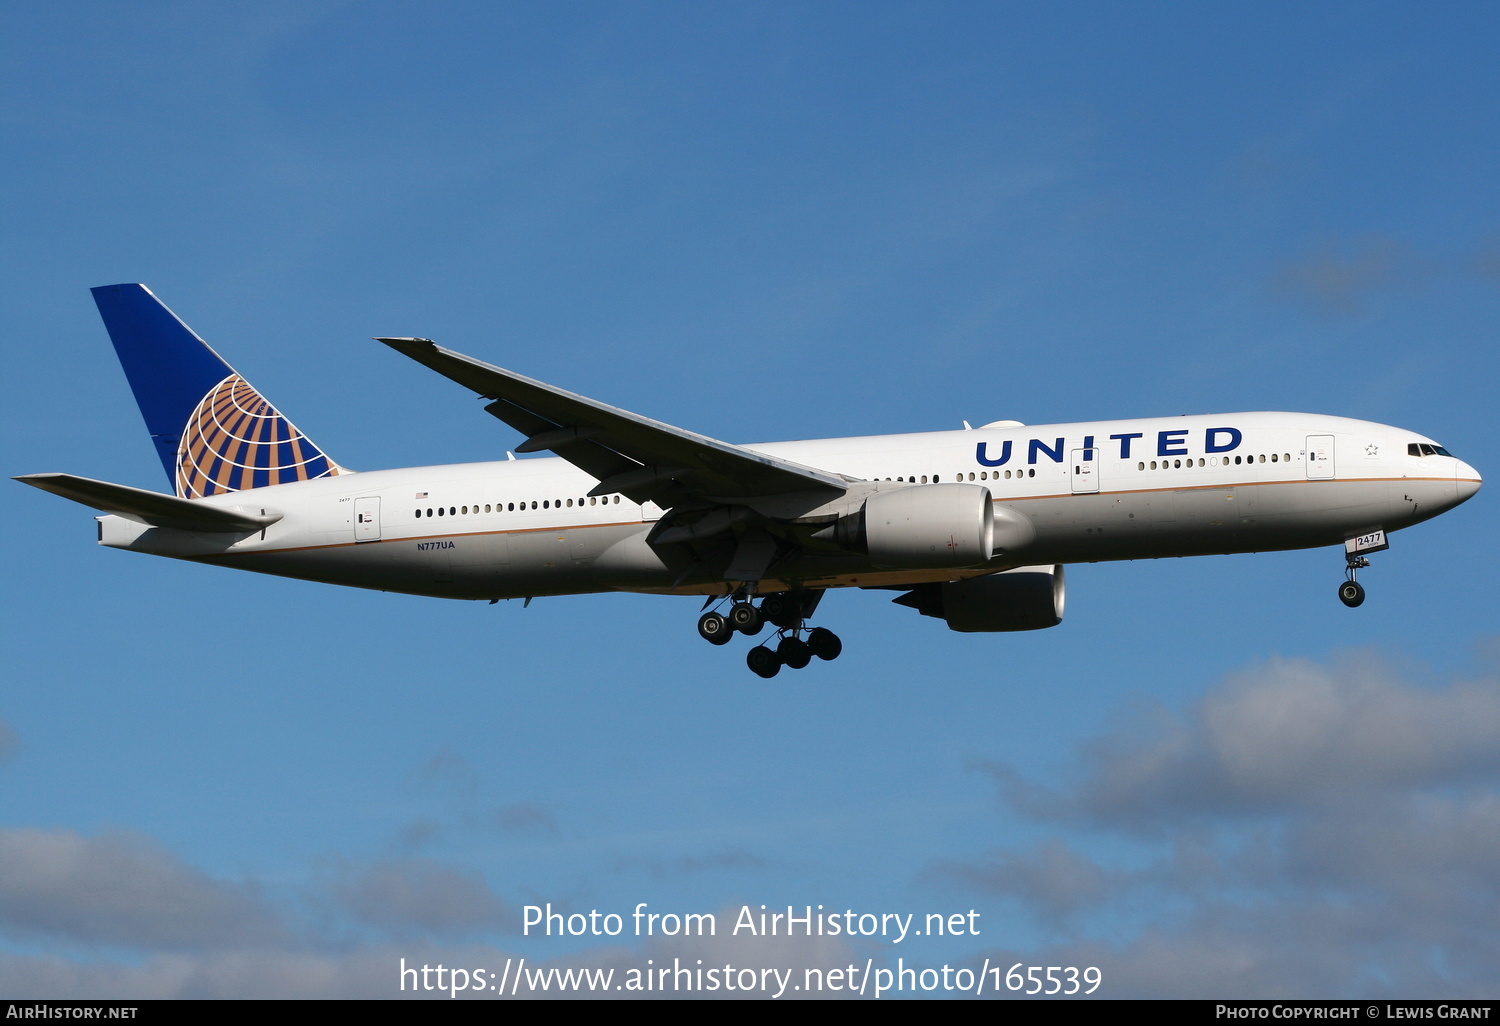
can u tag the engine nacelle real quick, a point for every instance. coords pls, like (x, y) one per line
(938, 525)
(1027, 598)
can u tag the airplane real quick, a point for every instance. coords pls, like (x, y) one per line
(971, 526)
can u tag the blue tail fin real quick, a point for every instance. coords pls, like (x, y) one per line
(213, 431)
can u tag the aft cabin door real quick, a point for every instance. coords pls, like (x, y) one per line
(1320, 457)
(1085, 471)
(367, 519)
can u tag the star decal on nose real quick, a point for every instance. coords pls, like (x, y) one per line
(1372, 449)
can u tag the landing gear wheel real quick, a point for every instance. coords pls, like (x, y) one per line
(1351, 593)
(745, 618)
(824, 643)
(714, 629)
(780, 610)
(794, 652)
(763, 661)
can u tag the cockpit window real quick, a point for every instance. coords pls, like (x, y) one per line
(1427, 449)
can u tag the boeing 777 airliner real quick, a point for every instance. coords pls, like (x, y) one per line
(971, 526)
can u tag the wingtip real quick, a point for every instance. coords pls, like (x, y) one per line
(405, 343)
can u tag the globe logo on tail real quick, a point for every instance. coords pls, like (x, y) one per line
(235, 440)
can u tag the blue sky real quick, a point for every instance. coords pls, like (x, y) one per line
(757, 221)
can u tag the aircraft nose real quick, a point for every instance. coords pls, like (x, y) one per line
(1466, 481)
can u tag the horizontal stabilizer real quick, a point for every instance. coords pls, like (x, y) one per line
(154, 508)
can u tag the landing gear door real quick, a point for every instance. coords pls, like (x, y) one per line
(1084, 470)
(1320, 457)
(367, 519)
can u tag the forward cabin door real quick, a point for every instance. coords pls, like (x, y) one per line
(1320, 457)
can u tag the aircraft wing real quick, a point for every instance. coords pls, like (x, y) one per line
(152, 507)
(637, 456)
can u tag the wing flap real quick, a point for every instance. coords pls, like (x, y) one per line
(153, 507)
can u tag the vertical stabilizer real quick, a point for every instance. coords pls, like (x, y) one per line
(212, 430)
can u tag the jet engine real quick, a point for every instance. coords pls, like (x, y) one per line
(939, 525)
(1027, 598)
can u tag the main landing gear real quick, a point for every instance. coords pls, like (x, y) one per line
(786, 611)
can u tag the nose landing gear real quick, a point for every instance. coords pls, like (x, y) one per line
(1351, 592)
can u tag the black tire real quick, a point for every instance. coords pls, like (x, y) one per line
(745, 618)
(763, 662)
(1351, 593)
(714, 629)
(824, 643)
(778, 609)
(794, 652)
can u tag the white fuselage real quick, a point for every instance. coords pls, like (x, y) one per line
(1095, 491)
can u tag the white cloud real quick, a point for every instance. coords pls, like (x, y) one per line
(121, 889)
(1318, 831)
(415, 896)
(1289, 734)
